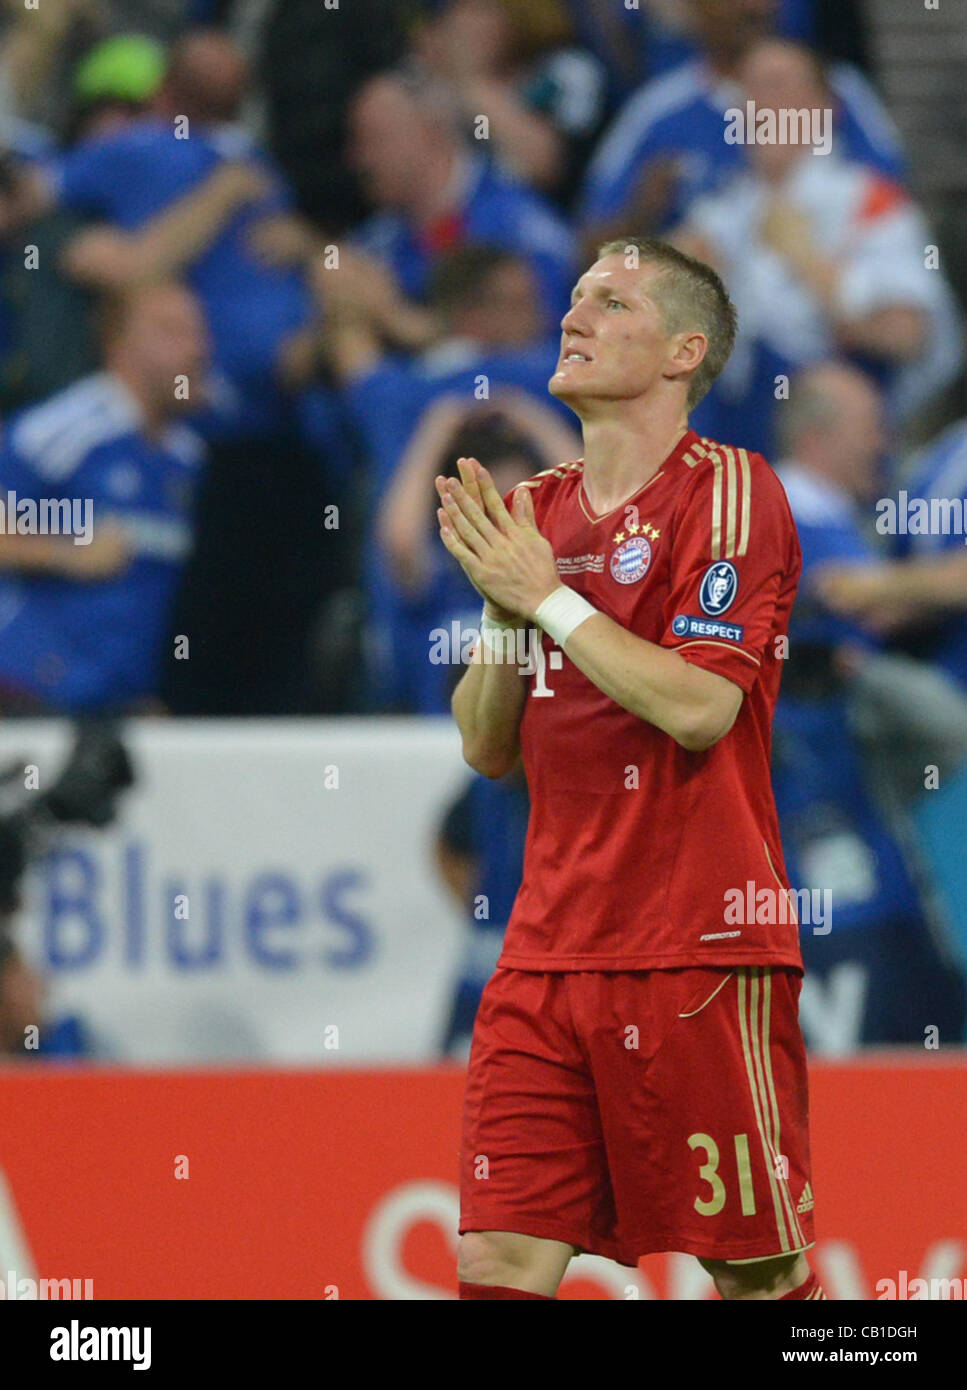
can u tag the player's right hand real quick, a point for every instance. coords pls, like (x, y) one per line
(468, 476)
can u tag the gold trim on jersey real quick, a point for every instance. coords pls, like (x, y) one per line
(699, 450)
(746, 500)
(732, 475)
(712, 642)
(757, 1259)
(715, 991)
(594, 520)
(778, 880)
(559, 471)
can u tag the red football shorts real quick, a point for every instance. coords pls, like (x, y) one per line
(628, 1112)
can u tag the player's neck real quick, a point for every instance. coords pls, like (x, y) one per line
(620, 456)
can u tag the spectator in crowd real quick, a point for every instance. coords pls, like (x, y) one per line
(112, 87)
(314, 60)
(206, 80)
(84, 616)
(920, 596)
(841, 249)
(37, 44)
(185, 193)
(878, 946)
(113, 84)
(515, 62)
(131, 179)
(488, 330)
(480, 859)
(484, 327)
(432, 194)
(644, 41)
(514, 436)
(667, 145)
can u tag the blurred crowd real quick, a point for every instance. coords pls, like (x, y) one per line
(347, 233)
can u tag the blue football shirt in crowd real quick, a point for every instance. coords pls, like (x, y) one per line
(941, 472)
(96, 644)
(680, 117)
(832, 833)
(385, 405)
(129, 177)
(656, 47)
(494, 209)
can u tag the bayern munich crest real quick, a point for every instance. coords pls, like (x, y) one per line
(630, 561)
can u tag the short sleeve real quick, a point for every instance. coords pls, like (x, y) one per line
(885, 262)
(734, 566)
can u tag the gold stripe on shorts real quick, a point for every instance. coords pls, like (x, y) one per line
(774, 1106)
(748, 1025)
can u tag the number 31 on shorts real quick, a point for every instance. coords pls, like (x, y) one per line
(708, 1172)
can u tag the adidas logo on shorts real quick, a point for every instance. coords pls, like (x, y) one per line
(805, 1202)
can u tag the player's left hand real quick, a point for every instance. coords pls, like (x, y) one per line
(501, 552)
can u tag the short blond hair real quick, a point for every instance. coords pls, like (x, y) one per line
(692, 299)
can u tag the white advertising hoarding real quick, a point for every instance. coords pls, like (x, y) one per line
(268, 892)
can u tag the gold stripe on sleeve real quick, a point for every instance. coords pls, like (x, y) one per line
(746, 500)
(716, 462)
(731, 510)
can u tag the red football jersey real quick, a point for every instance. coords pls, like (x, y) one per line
(640, 854)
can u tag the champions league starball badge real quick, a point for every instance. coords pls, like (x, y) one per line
(630, 561)
(719, 587)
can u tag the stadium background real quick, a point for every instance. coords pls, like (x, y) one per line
(233, 1020)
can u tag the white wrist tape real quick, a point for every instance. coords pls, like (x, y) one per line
(563, 611)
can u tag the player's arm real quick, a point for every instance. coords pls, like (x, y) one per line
(109, 258)
(695, 707)
(508, 560)
(894, 331)
(99, 554)
(487, 705)
(733, 566)
(897, 591)
(106, 555)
